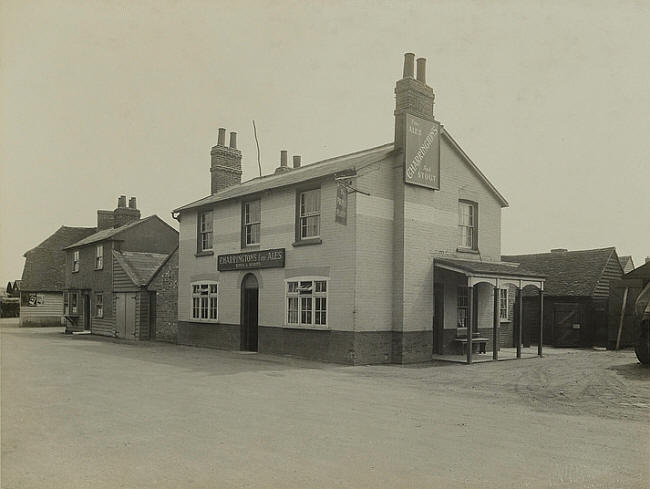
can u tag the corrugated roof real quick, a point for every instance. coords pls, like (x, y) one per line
(297, 175)
(108, 233)
(44, 269)
(475, 267)
(568, 273)
(140, 267)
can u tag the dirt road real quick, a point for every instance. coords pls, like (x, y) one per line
(87, 412)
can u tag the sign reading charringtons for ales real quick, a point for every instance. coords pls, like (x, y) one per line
(251, 259)
(422, 163)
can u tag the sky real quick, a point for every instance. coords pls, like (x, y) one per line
(103, 98)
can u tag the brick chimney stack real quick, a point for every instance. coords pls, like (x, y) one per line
(123, 214)
(225, 169)
(413, 96)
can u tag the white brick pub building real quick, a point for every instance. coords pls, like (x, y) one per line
(344, 259)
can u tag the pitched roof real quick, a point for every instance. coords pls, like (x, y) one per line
(642, 272)
(475, 267)
(140, 267)
(45, 264)
(112, 232)
(568, 273)
(352, 161)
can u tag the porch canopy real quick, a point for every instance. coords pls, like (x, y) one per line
(498, 274)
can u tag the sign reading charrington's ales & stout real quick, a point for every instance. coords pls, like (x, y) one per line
(422, 155)
(341, 215)
(251, 259)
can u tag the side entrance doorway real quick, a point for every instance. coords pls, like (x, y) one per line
(125, 315)
(249, 308)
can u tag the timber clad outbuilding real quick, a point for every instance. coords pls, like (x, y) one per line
(390, 254)
(577, 295)
(41, 294)
(107, 273)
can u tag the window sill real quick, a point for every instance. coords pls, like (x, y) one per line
(307, 326)
(251, 247)
(99, 269)
(467, 250)
(75, 271)
(307, 242)
(204, 321)
(505, 321)
(204, 253)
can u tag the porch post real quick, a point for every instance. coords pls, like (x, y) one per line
(470, 319)
(541, 322)
(520, 319)
(495, 325)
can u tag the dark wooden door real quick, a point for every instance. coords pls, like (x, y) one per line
(567, 323)
(438, 318)
(249, 313)
(86, 299)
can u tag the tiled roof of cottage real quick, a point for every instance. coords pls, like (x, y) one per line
(111, 232)
(352, 161)
(45, 264)
(568, 273)
(140, 267)
(642, 272)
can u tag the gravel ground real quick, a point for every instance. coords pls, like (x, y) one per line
(90, 412)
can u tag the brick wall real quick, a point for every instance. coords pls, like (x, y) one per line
(165, 288)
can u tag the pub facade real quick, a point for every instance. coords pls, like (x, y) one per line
(387, 255)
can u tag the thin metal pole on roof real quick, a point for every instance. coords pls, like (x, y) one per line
(259, 164)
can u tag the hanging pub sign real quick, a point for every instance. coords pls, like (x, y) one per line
(422, 155)
(251, 259)
(341, 205)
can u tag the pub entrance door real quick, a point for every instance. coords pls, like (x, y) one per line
(249, 309)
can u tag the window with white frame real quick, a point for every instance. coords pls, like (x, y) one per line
(99, 257)
(309, 207)
(66, 303)
(205, 300)
(75, 261)
(462, 307)
(252, 219)
(99, 305)
(306, 302)
(467, 224)
(73, 304)
(205, 231)
(503, 304)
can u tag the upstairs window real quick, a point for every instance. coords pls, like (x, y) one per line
(99, 305)
(468, 225)
(309, 212)
(205, 231)
(306, 302)
(204, 301)
(251, 222)
(75, 261)
(99, 257)
(503, 304)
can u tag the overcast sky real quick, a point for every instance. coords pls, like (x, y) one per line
(102, 98)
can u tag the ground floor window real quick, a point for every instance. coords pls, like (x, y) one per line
(99, 305)
(205, 300)
(462, 305)
(503, 304)
(306, 302)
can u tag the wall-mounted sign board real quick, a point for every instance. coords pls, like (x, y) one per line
(252, 259)
(422, 153)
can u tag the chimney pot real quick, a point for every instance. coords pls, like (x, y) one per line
(132, 203)
(422, 70)
(408, 65)
(233, 140)
(221, 140)
(283, 157)
(121, 201)
(296, 161)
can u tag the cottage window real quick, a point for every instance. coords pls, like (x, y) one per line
(252, 219)
(467, 224)
(75, 261)
(306, 302)
(503, 304)
(99, 257)
(66, 303)
(205, 231)
(99, 305)
(204, 301)
(462, 307)
(309, 208)
(73, 304)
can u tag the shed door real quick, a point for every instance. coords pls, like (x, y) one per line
(567, 322)
(125, 315)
